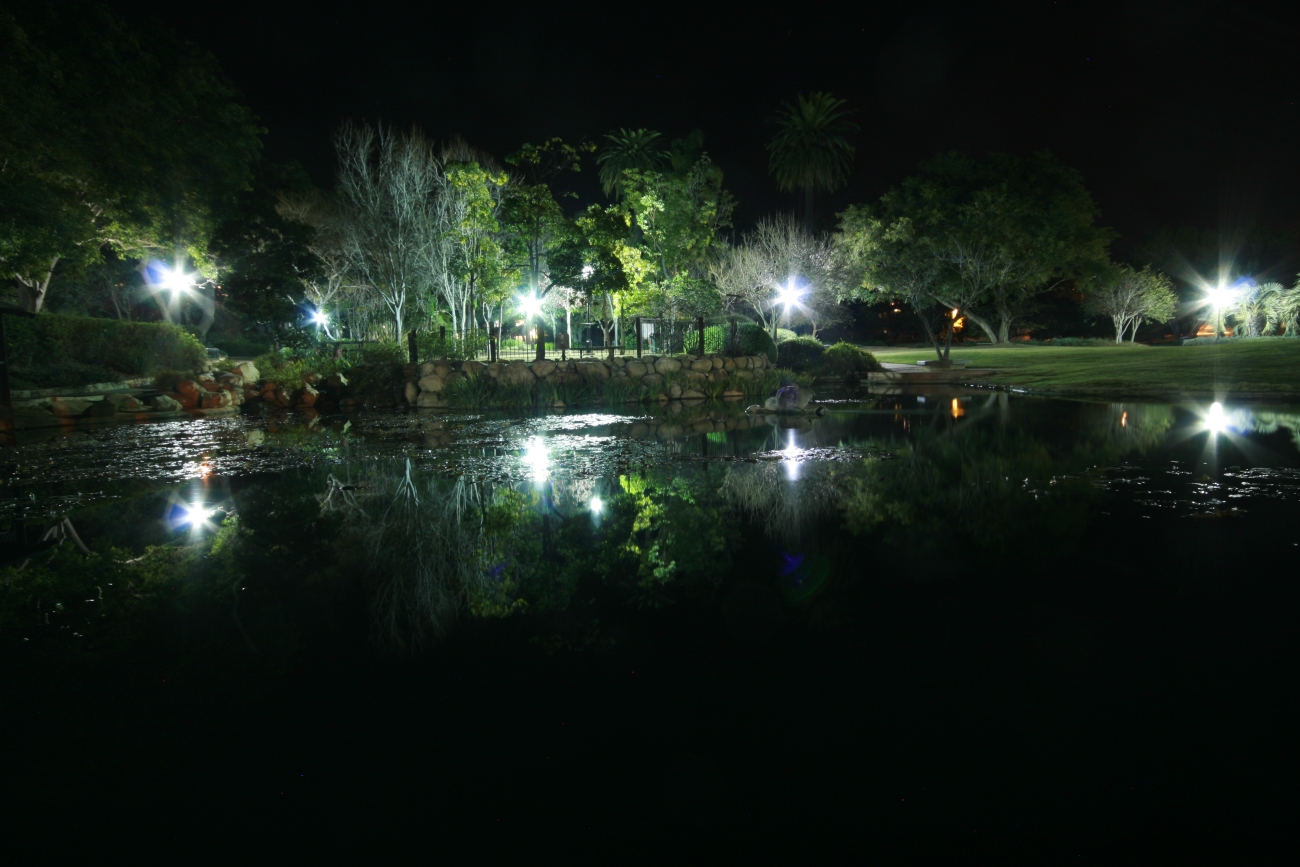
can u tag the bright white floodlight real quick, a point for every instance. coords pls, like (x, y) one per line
(597, 504)
(177, 281)
(788, 294)
(1221, 296)
(320, 318)
(530, 306)
(1216, 422)
(195, 515)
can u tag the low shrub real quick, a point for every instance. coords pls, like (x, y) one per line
(1074, 341)
(846, 360)
(52, 350)
(755, 341)
(800, 353)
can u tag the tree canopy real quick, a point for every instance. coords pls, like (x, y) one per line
(110, 137)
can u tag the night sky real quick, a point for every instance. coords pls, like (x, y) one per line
(1176, 113)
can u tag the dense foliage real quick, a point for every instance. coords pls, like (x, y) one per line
(53, 350)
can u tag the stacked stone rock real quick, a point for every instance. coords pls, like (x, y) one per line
(429, 391)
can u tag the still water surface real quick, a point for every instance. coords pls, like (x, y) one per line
(954, 619)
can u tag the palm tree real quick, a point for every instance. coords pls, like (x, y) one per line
(811, 150)
(627, 149)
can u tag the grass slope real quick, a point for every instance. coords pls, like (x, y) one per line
(1242, 367)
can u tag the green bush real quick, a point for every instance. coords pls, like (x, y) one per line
(430, 346)
(53, 350)
(800, 354)
(846, 360)
(755, 341)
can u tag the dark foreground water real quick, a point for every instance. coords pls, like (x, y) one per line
(973, 623)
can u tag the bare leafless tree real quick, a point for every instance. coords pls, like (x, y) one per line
(387, 192)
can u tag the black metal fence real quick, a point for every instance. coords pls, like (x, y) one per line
(637, 335)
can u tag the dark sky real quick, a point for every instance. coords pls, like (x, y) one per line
(1175, 112)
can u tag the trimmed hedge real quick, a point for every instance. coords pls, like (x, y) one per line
(53, 350)
(845, 359)
(800, 354)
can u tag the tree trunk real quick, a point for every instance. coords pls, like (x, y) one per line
(31, 292)
(983, 323)
(929, 332)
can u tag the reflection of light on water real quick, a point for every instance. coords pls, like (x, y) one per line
(597, 504)
(791, 453)
(957, 410)
(537, 460)
(1123, 419)
(1215, 421)
(195, 516)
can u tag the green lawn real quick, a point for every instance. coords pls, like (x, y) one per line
(1245, 367)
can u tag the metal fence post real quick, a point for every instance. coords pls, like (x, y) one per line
(700, 322)
(494, 332)
(637, 322)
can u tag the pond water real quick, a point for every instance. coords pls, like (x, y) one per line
(961, 619)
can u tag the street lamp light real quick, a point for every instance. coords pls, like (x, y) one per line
(1220, 296)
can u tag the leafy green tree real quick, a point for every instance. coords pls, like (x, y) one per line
(675, 222)
(896, 263)
(265, 258)
(628, 149)
(1129, 297)
(1001, 231)
(110, 138)
(468, 260)
(811, 150)
(535, 219)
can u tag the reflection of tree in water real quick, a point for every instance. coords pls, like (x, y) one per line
(978, 483)
(787, 508)
(1112, 430)
(433, 545)
(1267, 422)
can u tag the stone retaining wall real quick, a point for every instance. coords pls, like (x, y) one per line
(434, 377)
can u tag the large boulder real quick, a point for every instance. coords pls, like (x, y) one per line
(473, 368)
(543, 369)
(337, 381)
(667, 365)
(248, 370)
(228, 378)
(307, 397)
(674, 391)
(518, 373)
(429, 368)
(592, 369)
(214, 399)
(703, 365)
(67, 407)
(412, 392)
(163, 403)
(432, 383)
(718, 362)
(636, 368)
(718, 375)
(692, 394)
(429, 400)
